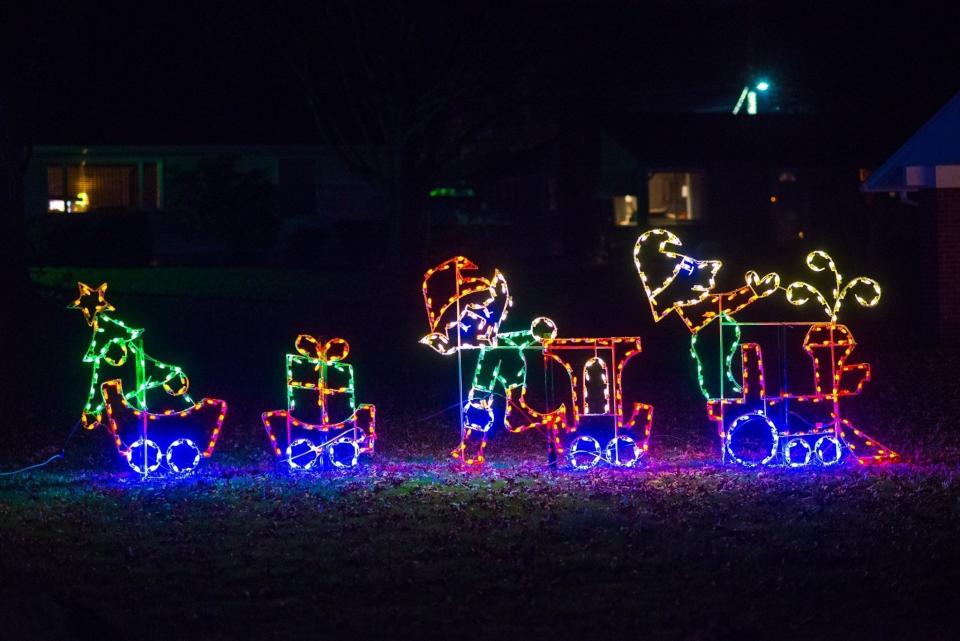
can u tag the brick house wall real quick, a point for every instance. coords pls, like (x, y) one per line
(947, 207)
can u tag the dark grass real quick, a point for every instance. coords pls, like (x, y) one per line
(412, 548)
(403, 550)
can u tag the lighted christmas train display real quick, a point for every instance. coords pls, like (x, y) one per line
(791, 414)
(600, 427)
(777, 391)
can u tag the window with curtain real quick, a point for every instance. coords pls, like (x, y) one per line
(77, 188)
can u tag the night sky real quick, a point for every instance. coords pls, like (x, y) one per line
(120, 72)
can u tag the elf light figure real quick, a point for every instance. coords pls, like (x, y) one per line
(675, 282)
(465, 313)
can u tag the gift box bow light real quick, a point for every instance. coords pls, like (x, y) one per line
(319, 366)
(322, 421)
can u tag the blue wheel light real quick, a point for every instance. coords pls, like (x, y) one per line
(789, 455)
(828, 450)
(584, 452)
(344, 453)
(740, 424)
(183, 456)
(620, 446)
(144, 456)
(302, 454)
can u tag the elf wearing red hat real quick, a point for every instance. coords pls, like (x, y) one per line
(465, 312)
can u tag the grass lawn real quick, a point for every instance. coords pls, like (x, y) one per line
(405, 550)
(251, 283)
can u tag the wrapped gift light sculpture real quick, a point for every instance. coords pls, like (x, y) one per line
(322, 424)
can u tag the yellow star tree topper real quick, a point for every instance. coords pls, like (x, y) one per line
(91, 302)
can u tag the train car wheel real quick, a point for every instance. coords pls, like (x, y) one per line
(344, 452)
(144, 456)
(752, 439)
(584, 452)
(302, 454)
(183, 456)
(797, 452)
(622, 451)
(828, 450)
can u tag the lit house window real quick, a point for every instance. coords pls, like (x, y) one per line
(76, 188)
(625, 210)
(675, 196)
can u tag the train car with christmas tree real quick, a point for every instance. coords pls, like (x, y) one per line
(153, 432)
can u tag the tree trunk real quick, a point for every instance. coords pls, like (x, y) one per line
(16, 90)
(14, 259)
(18, 292)
(17, 94)
(408, 230)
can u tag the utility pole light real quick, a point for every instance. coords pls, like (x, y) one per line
(749, 96)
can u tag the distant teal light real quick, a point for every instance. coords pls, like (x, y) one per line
(763, 85)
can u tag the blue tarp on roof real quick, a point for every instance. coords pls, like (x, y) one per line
(937, 142)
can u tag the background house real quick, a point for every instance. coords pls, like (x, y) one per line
(163, 192)
(760, 191)
(924, 174)
(587, 189)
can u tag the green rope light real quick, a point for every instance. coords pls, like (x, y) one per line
(727, 367)
(112, 344)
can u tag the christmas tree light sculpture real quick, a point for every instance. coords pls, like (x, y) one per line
(123, 408)
(115, 344)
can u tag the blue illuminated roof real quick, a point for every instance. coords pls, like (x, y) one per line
(914, 165)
